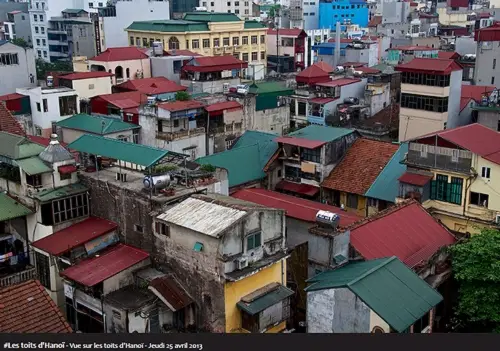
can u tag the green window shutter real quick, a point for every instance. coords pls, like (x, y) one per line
(433, 190)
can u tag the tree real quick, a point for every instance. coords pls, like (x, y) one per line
(43, 67)
(476, 267)
(20, 42)
(182, 96)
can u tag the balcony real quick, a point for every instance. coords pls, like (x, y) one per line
(316, 120)
(426, 90)
(57, 31)
(58, 42)
(18, 277)
(436, 157)
(183, 134)
(228, 128)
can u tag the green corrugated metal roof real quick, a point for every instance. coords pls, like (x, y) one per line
(270, 87)
(74, 10)
(245, 161)
(57, 193)
(10, 208)
(211, 17)
(265, 301)
(16, 147)
(386, 186)
(119, 150)
(254, 25)
(392, 290)
(169, 26)
(33, 165)
(96, 124)
(321, 133)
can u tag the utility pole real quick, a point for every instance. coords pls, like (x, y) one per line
(277, 25)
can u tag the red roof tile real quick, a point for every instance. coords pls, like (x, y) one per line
(224, 105)
(450, 55)
(339, 82)
(97, 269)
(289, 32)
(76, 235)
(406, 231)
(295, 207)
(361, 165)
(128, 99)
(430, 66)
(152, 86)
(9, 123)
(27, 308)
(9, 97)
(476, 138)
(302, 189)
(173, 106)
(375, 21)
(313, 74)
(85, 75)
(214, 64)
(120, 54)
(309, 144)
(414, 179)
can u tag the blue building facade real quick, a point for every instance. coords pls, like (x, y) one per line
(343, 11)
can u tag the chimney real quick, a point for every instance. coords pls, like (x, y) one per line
(53, 139)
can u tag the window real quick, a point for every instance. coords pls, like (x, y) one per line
(70, 208)
(422, 102)
(132, 41)
(440, 186)
(229, 3)
(421, 324)
(479, 199)
(67, 105)
(42, 30)
(35, 18)
(138, 41)
(162, 229)
(173, 43)
(485, 172)
(195, 44)
(43, 269)
(41, 18)
(36, 30)
(236, 3)
(313, 14)
(236, 41)
(237, 11)
(212, 3)
(138, 228)
(225, 41)
(262, 55)
(352, 201)
(38, 42)
(253, 241)
(91, 4)
(64, 176)
(254, 39)
(187, 44)
(262, 39)
(38, 108)
(492, 80)
(313, 155)
(206, 43)
(244, 40)
(45, 105)
(494, 63)
(34, 180)
(44, 43)
(254, 56)
(216, 42)
(456, 190)
(100, 4)
(244, 57)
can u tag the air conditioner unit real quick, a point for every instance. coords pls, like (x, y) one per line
(241, 263)
(497, 219)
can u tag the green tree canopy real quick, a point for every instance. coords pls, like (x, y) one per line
(476, 267)
(43, 67)
(20, 42)
(182, 96)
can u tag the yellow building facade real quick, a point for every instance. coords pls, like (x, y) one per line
(454, 18)
(205, 33)
(234, 292)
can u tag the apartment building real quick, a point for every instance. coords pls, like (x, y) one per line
(345, 11)
(205, 33)
(486, 71)
(430, 96)
(16, 21)
(453, 173)
(243, 9)
(17, 67)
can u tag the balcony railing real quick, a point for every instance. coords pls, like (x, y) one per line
(19, 277)
(228, 128)
(171, 136)
(430, 156)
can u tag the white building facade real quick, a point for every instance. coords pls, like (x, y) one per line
(17, 68)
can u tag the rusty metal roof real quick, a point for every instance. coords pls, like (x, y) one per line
(169, 290)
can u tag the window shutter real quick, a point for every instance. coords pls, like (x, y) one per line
(433, 190)
(157, 227)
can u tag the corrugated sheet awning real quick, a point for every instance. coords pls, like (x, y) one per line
(11, 208)
(264, 298)
(33, 166)
(68, 169)
(415, 179)
(304, 189)
(170, 292)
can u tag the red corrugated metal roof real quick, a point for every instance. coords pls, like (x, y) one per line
(97, 269)
(324, 66)
(214, 64)
(225, 105)
(474, 93)
(9, 97)
(28, 308)
(476, 138)
(458, 3)
(312, 72)
(124, 100)
(368, 70)
(430, 66)
(322, 101)
(75, 235)
(182, 53)
(85, 75)
(289, 32)
(340, 82)
(414, 179)
(491, 33)
(309, 144)
(126, 53)
(350, 64)
(173, 106)
(450, 55)
(167, 288)
(406, 230)
(303, 189)
(295, 207)
(152, 86)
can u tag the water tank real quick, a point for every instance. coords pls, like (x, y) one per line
(225, 88)
(157, 181)
(157, 48)
(151, 100)
(327, 219)
(50, 81)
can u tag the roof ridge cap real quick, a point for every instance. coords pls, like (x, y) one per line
(381, 214)
(370, 271)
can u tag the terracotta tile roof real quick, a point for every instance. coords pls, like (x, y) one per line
(289, 32)
(375, 21)
(180, 105)
(152, 86)
(406, 231)
(120, 54)
(430, 65)
(324, 66)
(361, 165)
(27, 308)
(9, 123)
(85, 75)
(314, 74)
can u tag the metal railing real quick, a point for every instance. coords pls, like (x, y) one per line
(18, 277)
(170, 136)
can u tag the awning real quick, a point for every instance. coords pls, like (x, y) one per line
(67, 169)
(304, 189)
(264, 298)
(415, 179)
(33, 166)
(306, 143)
(11, 208)
(168, 289)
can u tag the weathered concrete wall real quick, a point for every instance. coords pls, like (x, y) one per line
(336, 311)
(124, 278)
(488, 119)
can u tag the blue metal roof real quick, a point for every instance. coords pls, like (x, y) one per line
(385, 187)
